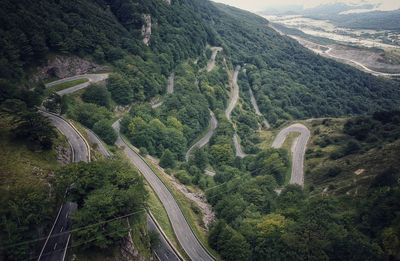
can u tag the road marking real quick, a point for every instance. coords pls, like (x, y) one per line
(55, 246)
(62, 228)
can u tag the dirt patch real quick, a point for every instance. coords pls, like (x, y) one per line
(359, 172)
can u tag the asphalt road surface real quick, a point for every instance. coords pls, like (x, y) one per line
(93, 78)
(211, 62)
(234, 95)
(163, 250)
(206, 138)
(170, 85)
(238, 148)
(256, 109)
(298, 150)
(94, 139)
(55, 247)
(79, 149)
(183, 232)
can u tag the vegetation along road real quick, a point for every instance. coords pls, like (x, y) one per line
(234, 94)
(298, 150)
(256, 109)
(93, 78)
(206, 138)
(183, 232)
(163, 250)
(56, 244)
(211, 63)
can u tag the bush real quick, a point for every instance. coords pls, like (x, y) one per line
(143, 151)
(167, 159)
(105, 131)
(36, 130)
(183, 177)
(334, 171)
(98, 95)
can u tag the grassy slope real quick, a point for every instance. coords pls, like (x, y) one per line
(372, 161)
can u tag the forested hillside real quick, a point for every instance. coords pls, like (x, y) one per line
(292, 82)
(105, 30)
(253, 221)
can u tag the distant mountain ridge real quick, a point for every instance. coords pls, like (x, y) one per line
(341, 15)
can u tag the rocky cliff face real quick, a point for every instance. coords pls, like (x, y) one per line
(66, 66)
(146, 29)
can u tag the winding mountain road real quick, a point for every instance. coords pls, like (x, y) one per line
(211, 62)
(94, 139)
(93, 78)
(257, 110)
(56, 244)
(234, 93)
(206, 138)
(183, 232)
(298, 150)
(238, 148)
(163, 250)
(170, 84)
(80, 150)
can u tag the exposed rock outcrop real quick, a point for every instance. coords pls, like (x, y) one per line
(65, 66)
(146, 29)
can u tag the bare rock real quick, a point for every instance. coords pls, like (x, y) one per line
(63, 155)
(65, 66)
(146, 29)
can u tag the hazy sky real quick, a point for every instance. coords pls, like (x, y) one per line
(259, 5)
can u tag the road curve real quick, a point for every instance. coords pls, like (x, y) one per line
(55, 247)
(94, 139)
(163, 250)
(238, 148)
(234, 93)
(206, 138)
(298, 150)
(187, 239)
(256, 109)
(211, 62)
(80, 150)
(93, 78)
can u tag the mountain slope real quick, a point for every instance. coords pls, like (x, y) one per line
(290, 81)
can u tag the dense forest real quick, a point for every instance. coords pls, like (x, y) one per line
(292, 82)
(259, 216)
(335, 223)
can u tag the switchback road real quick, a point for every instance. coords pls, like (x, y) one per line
(93, 78)
(256, 109)
(211, 62)
(163, 250)
(187, 239)
(298, 150)
(56, 245)
(206, 138)
(234, 93)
